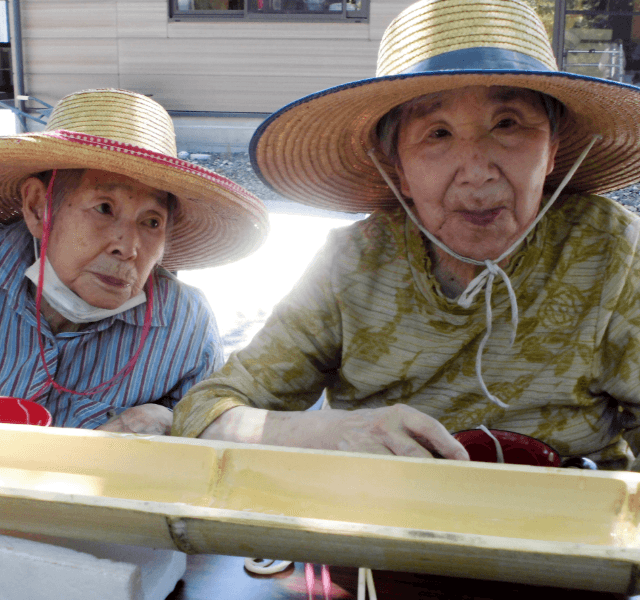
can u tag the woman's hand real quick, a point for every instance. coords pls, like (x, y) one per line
(399, 429)
(147, 418)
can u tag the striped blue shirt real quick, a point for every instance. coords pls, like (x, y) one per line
(182, 348)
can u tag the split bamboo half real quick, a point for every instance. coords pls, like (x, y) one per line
(546, 526)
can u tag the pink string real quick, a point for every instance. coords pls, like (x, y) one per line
(310, 579)
(326, 583)
(26, 412)
(46, 229)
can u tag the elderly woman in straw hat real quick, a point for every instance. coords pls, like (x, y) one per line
(489, 287)
(96, 213)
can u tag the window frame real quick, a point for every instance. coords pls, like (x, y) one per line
(345, 16)
(560, 20)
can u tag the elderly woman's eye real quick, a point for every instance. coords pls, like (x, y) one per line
(104, 208)
(440, 133)
(505, 123)
(153, 223)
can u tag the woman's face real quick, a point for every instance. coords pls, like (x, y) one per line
(107, 235)
(474, 161)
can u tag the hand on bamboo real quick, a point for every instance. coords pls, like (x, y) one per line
(152, 419)
(399, 429)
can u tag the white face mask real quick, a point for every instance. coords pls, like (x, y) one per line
(70, 305)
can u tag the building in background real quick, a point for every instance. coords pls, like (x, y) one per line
(600, 38)
(220, 66)
(6, 80)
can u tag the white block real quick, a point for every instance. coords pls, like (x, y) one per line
(7, 122)
(65, 569)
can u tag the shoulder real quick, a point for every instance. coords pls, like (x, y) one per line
(592, 236)
(378, 239)
(16, 252)
(597, 216)
(15, 235)
(379, 228)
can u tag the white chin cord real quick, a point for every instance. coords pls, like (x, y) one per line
(499, 453)
(365, 584)
(491, 268)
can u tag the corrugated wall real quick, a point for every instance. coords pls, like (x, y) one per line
(200, 66)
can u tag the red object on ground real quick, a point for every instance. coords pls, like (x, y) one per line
(517, 448)
(19, 411)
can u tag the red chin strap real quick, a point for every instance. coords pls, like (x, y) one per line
(50, 382)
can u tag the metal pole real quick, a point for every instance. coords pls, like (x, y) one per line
(559, 23)
(16, 45)
(620, 58)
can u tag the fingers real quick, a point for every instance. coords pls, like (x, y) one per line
(448, 447)
(391, 443)
(401, 430)
(402, 444)
(437, 438)
(150, 419)
(432, 434)
(113, 425)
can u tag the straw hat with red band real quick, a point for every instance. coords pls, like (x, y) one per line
(314, 150)
(216, 220)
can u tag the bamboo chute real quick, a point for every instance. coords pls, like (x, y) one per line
(536, 525)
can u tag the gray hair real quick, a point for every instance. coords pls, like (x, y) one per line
(388, 127)
(66, 181)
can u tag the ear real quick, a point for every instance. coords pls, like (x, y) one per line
(553, 149)
(404, 184)
(34, 197)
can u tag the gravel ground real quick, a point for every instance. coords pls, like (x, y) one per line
(629, 197)
(237, 167)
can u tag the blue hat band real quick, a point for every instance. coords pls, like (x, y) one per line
(478, 59)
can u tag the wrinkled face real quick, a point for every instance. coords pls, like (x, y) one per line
(474, 161)
(106, 237)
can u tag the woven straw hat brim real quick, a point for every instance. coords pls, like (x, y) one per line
(314, 151)
(216, 222)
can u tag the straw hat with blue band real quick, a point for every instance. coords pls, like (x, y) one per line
(314, 150)
(216, 220)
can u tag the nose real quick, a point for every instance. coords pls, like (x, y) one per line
(476, 166)
(125, 240)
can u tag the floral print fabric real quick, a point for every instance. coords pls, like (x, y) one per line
(369, 323)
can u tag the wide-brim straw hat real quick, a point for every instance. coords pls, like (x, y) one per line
(314, 150)
(216, 220)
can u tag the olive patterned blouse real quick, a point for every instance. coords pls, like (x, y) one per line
(370, 324)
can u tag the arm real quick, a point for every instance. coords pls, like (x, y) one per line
(398, 429)
(286, 366)
(261, 394)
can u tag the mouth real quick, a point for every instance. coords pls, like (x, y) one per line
(112, 281)
(482, 218)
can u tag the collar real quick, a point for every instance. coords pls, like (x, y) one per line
(521, 264)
